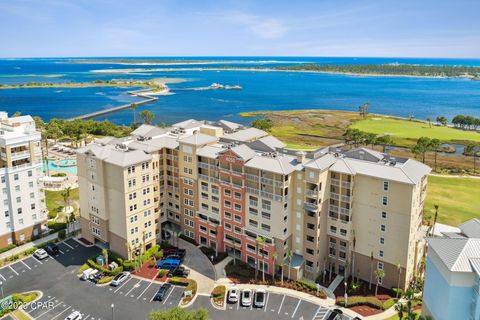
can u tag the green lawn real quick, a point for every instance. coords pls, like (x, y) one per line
(403, 130)
(54, 199)
(458, 199)
(416, 312)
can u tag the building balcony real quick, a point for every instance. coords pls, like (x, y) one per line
(334, 196)
(335, 182)
(312, 193)
(346, 184)
(309, 206)
(203, 165)
(333, 208)
(252, 177)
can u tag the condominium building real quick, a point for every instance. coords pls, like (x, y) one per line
(240, 191)
(452, 277)
(22, 208)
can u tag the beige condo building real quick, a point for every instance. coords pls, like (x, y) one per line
(224, 186)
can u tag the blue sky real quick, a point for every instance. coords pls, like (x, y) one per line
(387, 28)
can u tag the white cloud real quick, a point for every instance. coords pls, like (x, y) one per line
(267, 28)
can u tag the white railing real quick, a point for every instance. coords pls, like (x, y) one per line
(252, 177)
(333, 208)
(311, 193)
(335, 182)
(334, 196)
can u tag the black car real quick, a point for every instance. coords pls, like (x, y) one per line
(179, 272)
(52, 249)
(98, 276)
(334, 315)
(162, 292)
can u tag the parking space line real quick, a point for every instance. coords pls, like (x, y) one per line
(49, 310)
(281, 304)
(86, 317)
(128, 280)
(61, 251)
(26, 265)
(296, 308)
(134, 287)
(266, 302)
(13, 270)
(3, 277)
(60, 313)
(168, 295)
(37, 260)
(144, 290)
(67, 245)
(153, 296)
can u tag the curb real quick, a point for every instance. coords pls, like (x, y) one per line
(81, 243)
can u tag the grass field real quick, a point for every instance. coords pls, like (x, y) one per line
(458, 199)
(54, 199)
(405, 132)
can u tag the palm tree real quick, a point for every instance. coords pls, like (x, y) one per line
(371, 271)
(329, 269)
(66, 197)
(379, 275)
(129, 248)
(436, 206)
(289, 257)
(134, 107)
(281, 271)
(434, 145)
(274, 258)
(399, 269)
(260, 245)
(400, 308)
(429, 120)
(105, 254)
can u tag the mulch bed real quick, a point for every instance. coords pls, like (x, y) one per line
(85, 241)
(147, 272)
(366, 311)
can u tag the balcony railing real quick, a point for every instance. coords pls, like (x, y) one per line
(203, 165)
(346, 184)
(311, 193)
(252, 177)
(333, 208)
(335, 182)
(334, 196)
(311, 206)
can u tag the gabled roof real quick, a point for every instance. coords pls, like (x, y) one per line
(364, 153)
(244, 152)
(188, 124)
(475, 263)
(148, 131)
(321, 163)
(209, 151)
(198, 139)
(281, 164)
(111, 154)
(456, 253)
(267, 144)
(471, 228)
(229, 125)
(246, 135)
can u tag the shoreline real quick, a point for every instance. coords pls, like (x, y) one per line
(135, 70)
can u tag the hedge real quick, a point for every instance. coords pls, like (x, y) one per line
(8, 247)
(56, 226)
(113, 272)
(83, 268)
(361, 301)
(179, 281)
(389, 303)
(397, 291)
(104, 280)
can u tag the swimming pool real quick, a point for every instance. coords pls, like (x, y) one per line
(66, 165)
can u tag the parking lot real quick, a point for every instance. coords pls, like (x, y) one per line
(64, 293)
(277, 306)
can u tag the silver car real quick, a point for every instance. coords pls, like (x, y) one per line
(40, 254)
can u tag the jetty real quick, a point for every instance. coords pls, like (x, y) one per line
(136, 93)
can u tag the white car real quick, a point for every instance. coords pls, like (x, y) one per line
(246, 297)
(233, 294)
(259, 301)
(119, 278)
(75, 315)
(40, 254)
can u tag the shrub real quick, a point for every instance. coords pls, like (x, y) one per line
(128, 265)
(389, 303)
(24, 297)
(62, 234)
(13, 258)
(83, 268)
(8, 247)
(91, 262)
(397, 291)
(59, 174)
(52, 214)
(179, 281)
(184, 237)
(218, 291)
(56, 226)
(106, 279)
(241, 269)
(361, 301)
(161, 273)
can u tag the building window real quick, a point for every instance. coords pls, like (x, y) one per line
(227, 193)
(384, 200)
(384, 215)
(238, 195)
(385, 185)
(7, 214)
(238, 207)
(30, 184)
(382, 227)
(253, 223)
(380, 265)
(380, 253)
(382, 240)
(32, 206)
(15, 177)
(17, 188)
(266, 205)
(228, 204)
(333, 229)
(19, 210)
(19, 199)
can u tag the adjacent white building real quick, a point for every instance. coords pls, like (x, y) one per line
(22, 203)
(452, 278)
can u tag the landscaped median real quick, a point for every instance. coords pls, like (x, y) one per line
(190, 286)
(24, 254)
(16, 300)
(218, 295)
(373, 302)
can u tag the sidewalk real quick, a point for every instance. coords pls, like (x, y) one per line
(28, 245)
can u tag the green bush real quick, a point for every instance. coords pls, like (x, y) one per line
(52, 214)
(57, 226)
(152, 263)
(106, 279)
(83, 268)
(59, 174)
(62, 234)
(114, 272)
(389, 303)
(361, 301)
(179, 281)
(218, 291)
(397, 291)
(161, 273)
(128, 265)
(307, 284)
(8, 247)
(24, 297)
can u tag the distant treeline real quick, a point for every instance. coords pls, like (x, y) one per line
(391, 69)
(466, 122)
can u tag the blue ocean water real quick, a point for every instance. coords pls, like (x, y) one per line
(400, 96)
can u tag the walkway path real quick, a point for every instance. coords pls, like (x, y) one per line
(338, 279)
(201, 269)
(27, 246)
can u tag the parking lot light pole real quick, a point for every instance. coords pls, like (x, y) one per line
(346, 295)
(113, 314)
